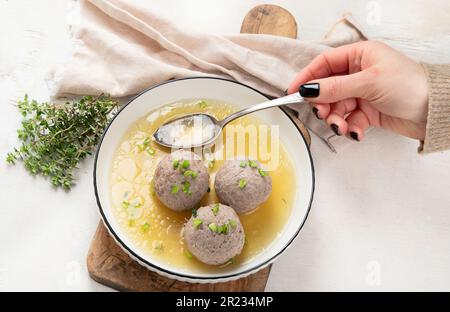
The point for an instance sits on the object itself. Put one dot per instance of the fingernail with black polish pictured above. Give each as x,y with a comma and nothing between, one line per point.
316,112
354,136
309,90
285,92
335,129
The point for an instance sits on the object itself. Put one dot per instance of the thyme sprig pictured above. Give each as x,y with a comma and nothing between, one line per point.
55,138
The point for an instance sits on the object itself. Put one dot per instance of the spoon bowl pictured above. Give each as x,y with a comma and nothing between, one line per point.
188,131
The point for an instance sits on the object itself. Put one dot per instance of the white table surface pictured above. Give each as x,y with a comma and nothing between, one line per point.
381,213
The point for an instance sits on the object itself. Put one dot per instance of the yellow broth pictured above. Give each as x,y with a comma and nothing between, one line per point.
156,229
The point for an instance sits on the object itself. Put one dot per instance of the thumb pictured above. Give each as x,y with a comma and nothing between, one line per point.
336,88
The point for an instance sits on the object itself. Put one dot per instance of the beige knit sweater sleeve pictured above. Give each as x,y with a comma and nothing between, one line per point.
437,137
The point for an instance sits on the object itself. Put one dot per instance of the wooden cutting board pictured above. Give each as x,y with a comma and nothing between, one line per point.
108,264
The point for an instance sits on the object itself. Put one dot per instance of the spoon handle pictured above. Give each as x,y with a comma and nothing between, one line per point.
294,98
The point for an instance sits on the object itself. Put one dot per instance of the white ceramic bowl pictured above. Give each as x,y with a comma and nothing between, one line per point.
230,92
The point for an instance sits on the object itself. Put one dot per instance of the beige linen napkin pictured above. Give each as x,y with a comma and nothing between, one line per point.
121,48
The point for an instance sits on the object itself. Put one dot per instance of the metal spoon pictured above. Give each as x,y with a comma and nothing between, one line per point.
199,129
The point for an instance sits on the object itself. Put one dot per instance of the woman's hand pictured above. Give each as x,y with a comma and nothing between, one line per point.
366,84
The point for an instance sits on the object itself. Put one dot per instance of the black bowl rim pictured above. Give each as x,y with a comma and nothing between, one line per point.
186,276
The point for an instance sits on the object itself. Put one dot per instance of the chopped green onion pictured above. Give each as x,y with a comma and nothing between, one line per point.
194,212
125,204
213,227
223,229
197,223
186,188
158,245
232,223
219,229
252,164
185,164
202,104
144,144
151,151
242,183
175,189
175,163
145,227
215,209
229,262
243,164
190,173
188,254
262,172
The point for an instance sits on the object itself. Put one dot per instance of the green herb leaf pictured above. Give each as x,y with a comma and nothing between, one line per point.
243,164
187,173
185,164
186,188
213,227
190,173
262,172
175,189
11,158
252,164
152,189
229,262
202,104
55,138
188,254
158,245
145,227
215,209
242,183
143,146
197,223
232,223
223,229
